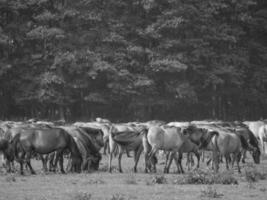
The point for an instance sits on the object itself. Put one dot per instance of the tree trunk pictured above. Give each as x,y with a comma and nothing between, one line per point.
61,112
213,109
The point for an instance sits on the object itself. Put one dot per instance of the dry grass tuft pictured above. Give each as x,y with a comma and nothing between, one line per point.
117,197
10,178
210,192
252,174
159,179
205,177
83,196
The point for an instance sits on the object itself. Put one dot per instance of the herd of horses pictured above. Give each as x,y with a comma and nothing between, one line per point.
80,143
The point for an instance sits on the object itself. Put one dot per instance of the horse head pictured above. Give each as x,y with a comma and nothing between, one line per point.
256,153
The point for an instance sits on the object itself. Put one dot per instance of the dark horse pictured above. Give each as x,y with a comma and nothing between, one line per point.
45,141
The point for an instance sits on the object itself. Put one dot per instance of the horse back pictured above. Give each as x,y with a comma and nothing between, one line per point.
166,138
228,142
44,140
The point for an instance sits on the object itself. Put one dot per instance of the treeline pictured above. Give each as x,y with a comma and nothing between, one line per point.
133,59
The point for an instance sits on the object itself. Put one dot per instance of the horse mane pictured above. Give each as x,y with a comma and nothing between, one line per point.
253,140
73,147
90,139
244,142
207,141
125,137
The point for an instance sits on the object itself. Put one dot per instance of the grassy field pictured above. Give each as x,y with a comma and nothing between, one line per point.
117,186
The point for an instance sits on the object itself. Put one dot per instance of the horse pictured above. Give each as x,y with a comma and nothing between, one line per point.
16,129
165,138
7,151
105,128
242,130
44,141
89,142
225,144
119,128
187,147
127,141
254,127
253,144
263,137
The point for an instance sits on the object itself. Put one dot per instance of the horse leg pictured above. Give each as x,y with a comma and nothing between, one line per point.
2,159
198,157
128,153
44,161
112,147
178,158
119,158
151,155
20,159
234,156
85,163
21,167
208,161
59,157
188,161
61,161
244,156
203,155
169,158
53,161
105,147
237,162
227,159
147,163
180,161
215,158
28,162
137,154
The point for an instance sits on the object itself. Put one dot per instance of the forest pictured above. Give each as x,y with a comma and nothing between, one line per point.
133,59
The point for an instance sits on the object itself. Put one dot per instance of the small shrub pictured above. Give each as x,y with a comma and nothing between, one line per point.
83,196
10,179
96,181
117,197
159,179
252,174
203,177
210,192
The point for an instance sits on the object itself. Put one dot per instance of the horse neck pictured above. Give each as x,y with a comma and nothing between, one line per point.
73,147
93,142
253,140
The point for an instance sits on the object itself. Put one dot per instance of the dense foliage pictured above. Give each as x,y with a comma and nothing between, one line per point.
133,59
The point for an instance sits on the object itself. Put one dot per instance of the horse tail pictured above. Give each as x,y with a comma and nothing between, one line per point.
216,143
14,143
207,141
